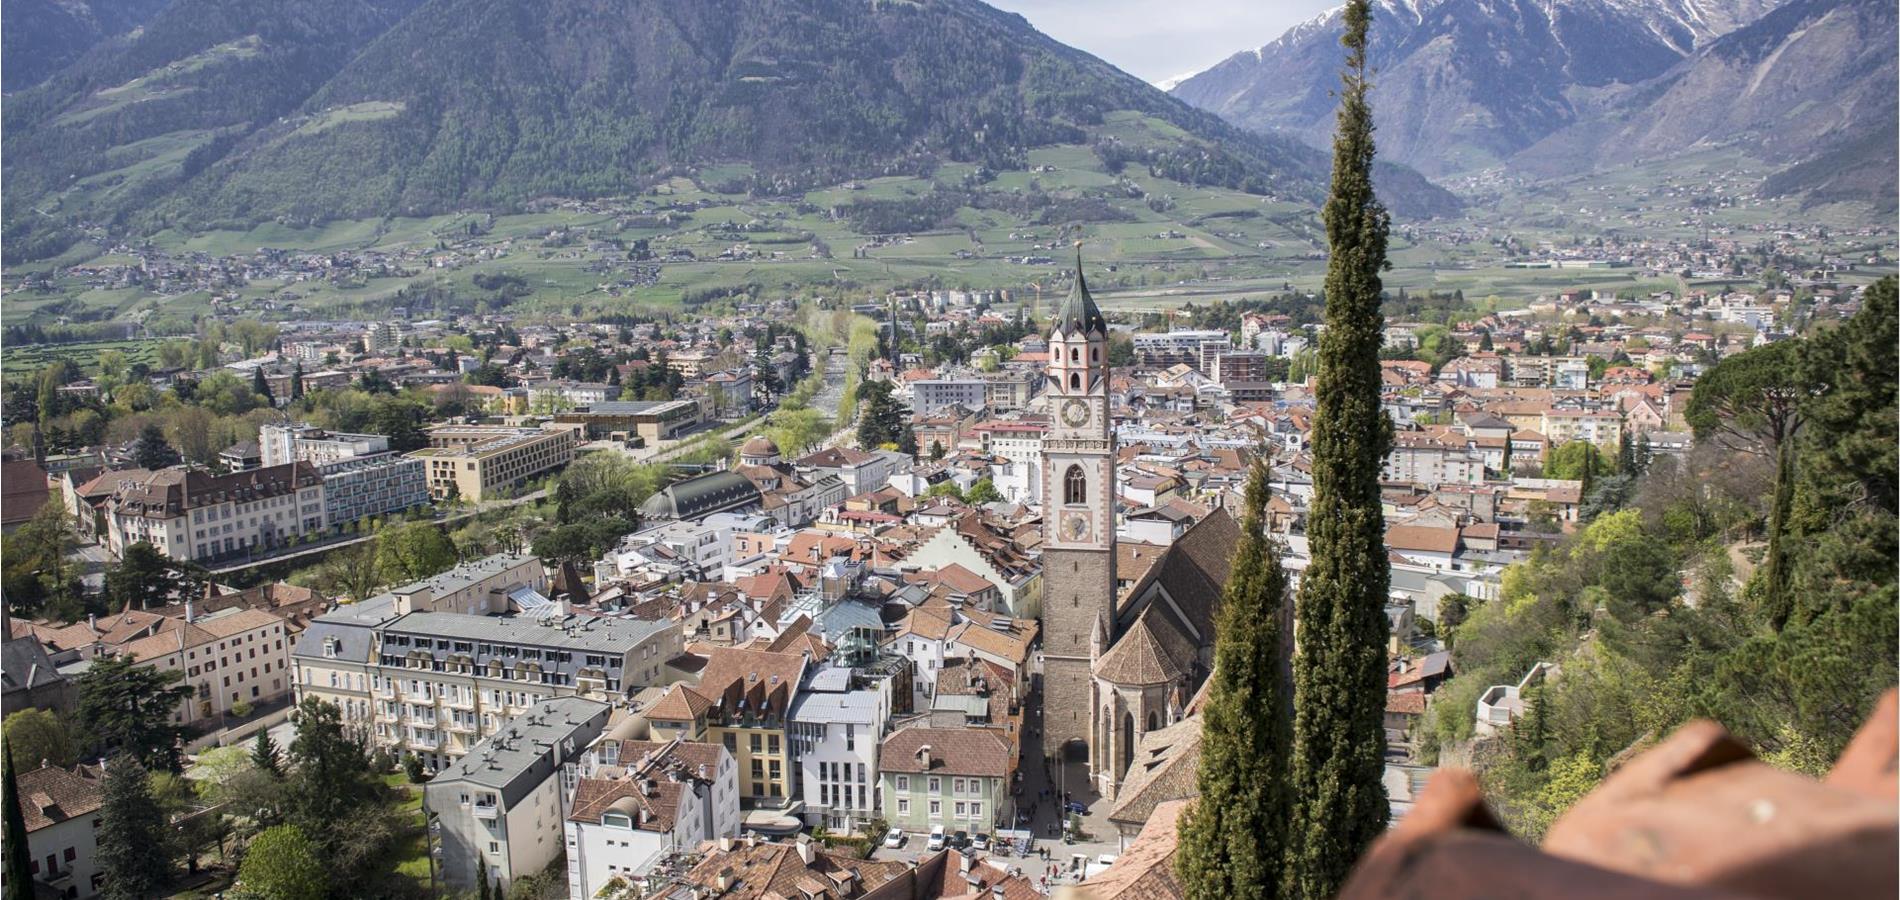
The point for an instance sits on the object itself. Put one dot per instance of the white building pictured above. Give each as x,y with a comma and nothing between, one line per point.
501,806
195,515
61,810
636,802
295,442
834,747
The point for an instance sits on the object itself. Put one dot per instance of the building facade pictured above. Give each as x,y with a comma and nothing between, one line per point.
378,485
191,514
280,444
500,808
475,462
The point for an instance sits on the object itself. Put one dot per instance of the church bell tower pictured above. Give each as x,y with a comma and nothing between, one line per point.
1078,516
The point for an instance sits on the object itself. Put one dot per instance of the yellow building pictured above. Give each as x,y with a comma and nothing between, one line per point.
475,461
742,701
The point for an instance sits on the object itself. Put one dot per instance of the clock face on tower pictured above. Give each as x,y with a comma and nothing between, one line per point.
1075,526
1075,413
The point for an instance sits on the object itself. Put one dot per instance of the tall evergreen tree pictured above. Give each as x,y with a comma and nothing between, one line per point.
131,823
259,384
16,880
265,755
1339,672
1233,841
151,450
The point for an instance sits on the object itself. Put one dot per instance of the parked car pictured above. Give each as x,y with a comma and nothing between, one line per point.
894,838
960,840
936,838
980,841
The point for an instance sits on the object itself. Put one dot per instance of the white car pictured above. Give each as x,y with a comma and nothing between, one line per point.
936,838
894,838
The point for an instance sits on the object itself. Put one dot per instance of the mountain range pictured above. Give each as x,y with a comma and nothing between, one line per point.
1561,86
230,112
43,36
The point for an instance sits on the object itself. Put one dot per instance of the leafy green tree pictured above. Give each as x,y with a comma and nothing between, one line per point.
16,879
1234,839
944,488
282,864
127,709
36,737
132,833
983,491
1339,672
265,755
1852,371
936,451
413,551
151,451
1576,461
35,575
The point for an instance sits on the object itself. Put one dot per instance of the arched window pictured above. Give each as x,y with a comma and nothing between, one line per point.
1075,381
1075,354
1075,486
1151,722
1095,354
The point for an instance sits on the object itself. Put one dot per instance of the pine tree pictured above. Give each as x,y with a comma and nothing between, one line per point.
296,382
151,450
265,755
1339,672
130,823
481,878
1233,841
259,385
17,882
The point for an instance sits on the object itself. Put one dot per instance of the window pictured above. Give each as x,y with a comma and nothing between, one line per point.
936,785
1075,486
936,808
903,783
903,806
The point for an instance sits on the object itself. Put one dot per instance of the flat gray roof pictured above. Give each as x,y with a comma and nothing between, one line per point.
530,745
592,634
465,574
856,707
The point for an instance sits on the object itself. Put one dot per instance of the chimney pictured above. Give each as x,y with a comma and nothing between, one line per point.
923,756
805,852
187,611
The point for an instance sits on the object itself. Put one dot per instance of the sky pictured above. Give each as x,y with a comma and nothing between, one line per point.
1160,39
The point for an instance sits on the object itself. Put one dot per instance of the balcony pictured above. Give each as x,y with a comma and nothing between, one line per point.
486,811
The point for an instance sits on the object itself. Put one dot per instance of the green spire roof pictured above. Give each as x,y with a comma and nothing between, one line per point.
1078,312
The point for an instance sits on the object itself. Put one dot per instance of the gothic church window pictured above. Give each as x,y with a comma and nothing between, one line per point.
1075,486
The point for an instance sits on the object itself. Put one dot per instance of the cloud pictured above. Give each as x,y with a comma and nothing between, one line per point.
1155,40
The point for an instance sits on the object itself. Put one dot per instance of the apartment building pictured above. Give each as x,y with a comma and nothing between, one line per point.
298,442
375,485
192,514
1430,460
637,802
229,658
834,743
1163,349
932,394
474,462
1010,390
1600,427
954,777
500,808
743,701
442,681
478,587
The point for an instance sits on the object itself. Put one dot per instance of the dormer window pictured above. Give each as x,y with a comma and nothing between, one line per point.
617,820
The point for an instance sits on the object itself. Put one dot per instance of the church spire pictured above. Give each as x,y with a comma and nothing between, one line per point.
1078,313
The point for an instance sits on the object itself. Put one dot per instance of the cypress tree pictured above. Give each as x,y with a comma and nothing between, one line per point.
1233,840
1339,671
17,881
